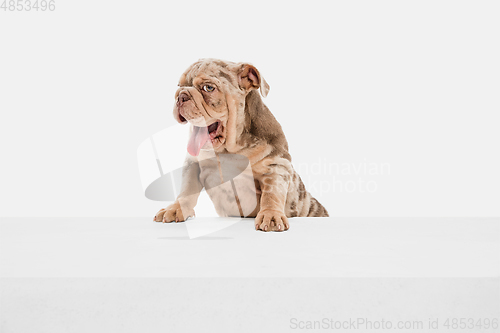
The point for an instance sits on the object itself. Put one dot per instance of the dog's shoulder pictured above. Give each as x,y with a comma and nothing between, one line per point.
262,129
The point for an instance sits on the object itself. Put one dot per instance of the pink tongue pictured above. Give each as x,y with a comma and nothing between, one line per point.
198,138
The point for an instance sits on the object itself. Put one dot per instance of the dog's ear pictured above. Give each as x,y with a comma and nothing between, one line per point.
249,78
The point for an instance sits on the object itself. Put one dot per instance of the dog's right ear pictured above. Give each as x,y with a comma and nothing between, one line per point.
249,78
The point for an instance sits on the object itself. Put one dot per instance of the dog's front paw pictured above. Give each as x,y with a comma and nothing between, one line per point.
271,220
174,212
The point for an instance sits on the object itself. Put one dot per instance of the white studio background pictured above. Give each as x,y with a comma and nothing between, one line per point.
401,95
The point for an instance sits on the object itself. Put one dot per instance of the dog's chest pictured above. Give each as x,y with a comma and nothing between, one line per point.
229,182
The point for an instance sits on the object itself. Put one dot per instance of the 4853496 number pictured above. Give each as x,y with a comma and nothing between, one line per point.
28,5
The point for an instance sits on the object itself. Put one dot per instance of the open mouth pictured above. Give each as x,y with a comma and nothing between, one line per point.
200,136
212,129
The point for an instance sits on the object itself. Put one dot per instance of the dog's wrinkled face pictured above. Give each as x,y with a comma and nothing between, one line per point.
211,95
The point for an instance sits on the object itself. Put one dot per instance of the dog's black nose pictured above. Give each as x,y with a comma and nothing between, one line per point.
183,97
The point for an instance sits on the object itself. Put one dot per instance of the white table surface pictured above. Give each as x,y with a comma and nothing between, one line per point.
134,275
313,247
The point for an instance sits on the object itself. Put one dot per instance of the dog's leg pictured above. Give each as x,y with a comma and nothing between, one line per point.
271,216
183,207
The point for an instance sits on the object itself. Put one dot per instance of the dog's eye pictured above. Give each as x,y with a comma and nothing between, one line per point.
208,88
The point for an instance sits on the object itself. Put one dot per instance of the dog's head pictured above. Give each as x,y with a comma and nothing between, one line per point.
211,96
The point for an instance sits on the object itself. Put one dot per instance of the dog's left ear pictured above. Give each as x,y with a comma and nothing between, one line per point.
249,78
